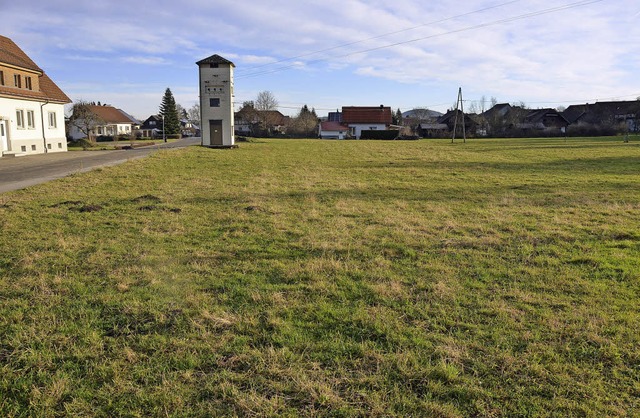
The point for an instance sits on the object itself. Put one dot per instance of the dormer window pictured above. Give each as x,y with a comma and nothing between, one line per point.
27,83
17,81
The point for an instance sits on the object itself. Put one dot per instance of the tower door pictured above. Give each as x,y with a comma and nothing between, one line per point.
215,132
4,143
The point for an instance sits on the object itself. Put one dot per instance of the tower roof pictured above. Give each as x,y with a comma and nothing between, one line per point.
215,59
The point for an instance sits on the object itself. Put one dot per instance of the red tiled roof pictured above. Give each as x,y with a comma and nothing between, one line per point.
366,114
11,54
110,114
333,126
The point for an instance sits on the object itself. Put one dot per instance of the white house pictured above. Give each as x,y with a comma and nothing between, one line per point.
112,122
366,118
332,130
216,102
31,106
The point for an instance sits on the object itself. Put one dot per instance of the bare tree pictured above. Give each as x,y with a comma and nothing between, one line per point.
266,101
266,106
483,104
84,119
194,113
182,112
473,107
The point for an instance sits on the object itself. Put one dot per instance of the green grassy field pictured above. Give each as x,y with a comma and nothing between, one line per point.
328,278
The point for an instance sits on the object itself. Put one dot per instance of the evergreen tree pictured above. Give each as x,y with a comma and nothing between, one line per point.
169,111
397,118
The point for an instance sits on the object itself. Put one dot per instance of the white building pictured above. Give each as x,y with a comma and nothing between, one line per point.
31,106
366,118
216,102
332,130
108,121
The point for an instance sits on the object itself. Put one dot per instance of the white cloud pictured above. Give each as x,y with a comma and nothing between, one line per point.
145,60
584,51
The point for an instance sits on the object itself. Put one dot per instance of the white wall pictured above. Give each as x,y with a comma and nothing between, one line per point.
359,127
33,139
332,134
107,130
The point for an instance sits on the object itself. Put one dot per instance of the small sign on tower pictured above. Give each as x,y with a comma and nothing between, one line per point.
216,102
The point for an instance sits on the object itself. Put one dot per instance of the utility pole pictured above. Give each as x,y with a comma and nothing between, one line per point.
164,135
455,121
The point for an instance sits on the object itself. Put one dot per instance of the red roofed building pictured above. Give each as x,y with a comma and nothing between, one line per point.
112,122
31,105
366,118
333,130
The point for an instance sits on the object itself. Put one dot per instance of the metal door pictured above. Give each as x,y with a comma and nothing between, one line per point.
215,132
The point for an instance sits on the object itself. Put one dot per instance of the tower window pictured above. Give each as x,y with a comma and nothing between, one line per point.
214,102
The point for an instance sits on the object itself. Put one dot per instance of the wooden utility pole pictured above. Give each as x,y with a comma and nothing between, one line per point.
460,104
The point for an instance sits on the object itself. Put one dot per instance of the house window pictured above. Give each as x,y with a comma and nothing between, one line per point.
31,119
60,145
27,83
1,78
53,123
23,148
33,147
20,118
48,146
214,102
152,123
17,81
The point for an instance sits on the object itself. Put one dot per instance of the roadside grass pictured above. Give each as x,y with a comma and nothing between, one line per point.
328,278
85,145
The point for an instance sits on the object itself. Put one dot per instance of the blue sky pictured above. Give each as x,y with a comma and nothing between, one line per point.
333,53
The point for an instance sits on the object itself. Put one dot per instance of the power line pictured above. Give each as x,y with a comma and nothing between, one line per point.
384,35
468,28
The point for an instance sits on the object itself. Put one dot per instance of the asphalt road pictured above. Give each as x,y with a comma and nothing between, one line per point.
20,172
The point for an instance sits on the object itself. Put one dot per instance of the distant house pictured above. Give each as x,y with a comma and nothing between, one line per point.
188,128
545,121
471,122
112,122
503,120
151,127
422,123
332,130
433,130
604,118
360,119
250,121
31,106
